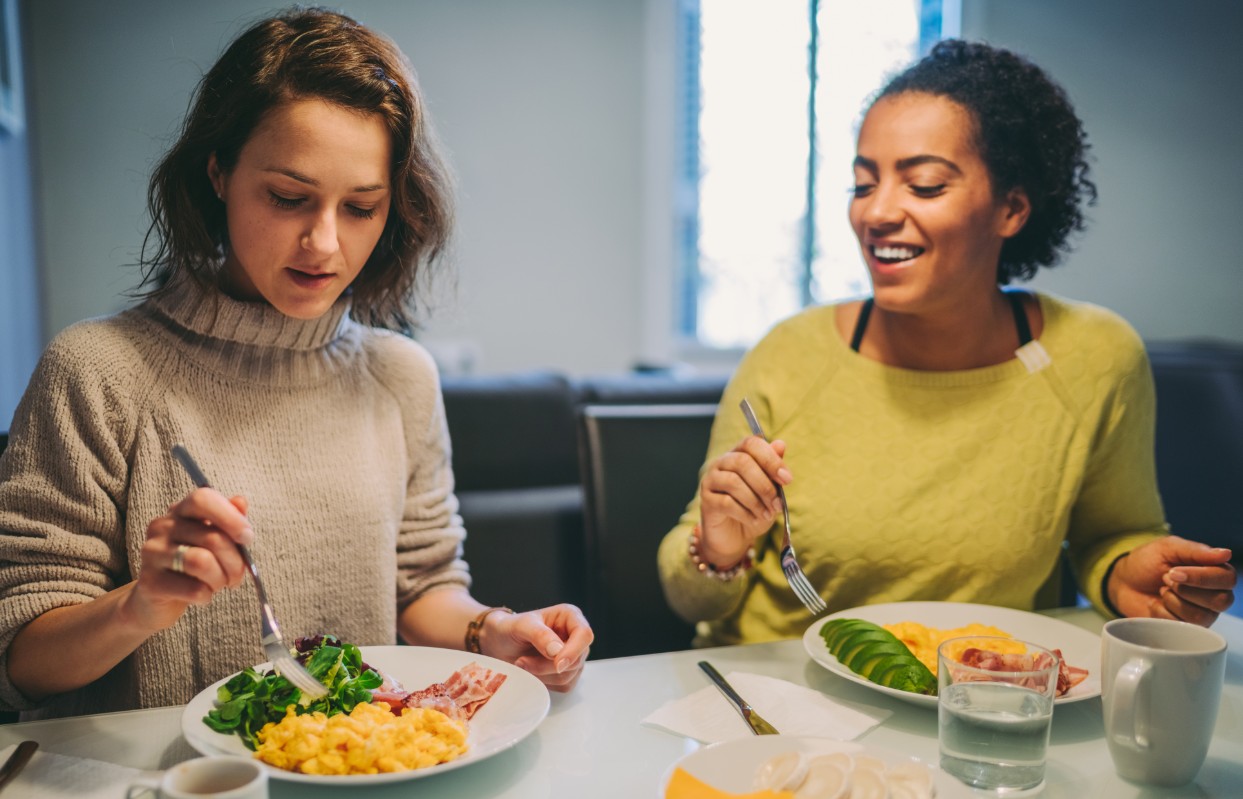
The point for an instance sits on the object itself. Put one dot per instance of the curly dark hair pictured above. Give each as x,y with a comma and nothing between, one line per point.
1028,135
298,54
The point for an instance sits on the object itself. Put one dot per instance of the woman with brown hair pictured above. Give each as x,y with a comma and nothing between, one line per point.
291,223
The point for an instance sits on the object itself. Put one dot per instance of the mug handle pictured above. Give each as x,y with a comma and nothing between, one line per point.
142,786
1130,725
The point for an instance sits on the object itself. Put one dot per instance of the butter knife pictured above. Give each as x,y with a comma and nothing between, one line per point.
17,761
756,722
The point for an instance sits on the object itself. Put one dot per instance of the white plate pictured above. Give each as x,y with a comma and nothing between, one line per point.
732,765
1080,648
512,713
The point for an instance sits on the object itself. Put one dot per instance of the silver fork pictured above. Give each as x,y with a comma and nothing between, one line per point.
273,642
789,565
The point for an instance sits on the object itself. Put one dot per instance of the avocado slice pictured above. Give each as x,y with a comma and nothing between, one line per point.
876,654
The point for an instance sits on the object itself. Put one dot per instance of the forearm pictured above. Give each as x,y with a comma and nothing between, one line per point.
72,646
439,618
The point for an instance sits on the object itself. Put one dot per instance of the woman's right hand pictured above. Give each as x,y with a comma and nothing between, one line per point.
738,499
209,527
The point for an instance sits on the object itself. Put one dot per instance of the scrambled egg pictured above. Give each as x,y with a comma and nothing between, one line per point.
923,641
369,740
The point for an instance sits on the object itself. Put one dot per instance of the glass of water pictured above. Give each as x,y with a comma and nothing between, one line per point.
995,708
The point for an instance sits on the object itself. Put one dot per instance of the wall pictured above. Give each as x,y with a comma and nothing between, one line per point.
555,114
20,334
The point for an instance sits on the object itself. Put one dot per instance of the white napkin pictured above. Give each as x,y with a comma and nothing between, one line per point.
709,717
52,776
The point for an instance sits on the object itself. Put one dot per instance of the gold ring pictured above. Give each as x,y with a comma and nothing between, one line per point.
179,559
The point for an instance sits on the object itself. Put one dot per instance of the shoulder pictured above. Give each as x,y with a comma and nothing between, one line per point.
1097,355
103,349
809,335
1091,334
400,363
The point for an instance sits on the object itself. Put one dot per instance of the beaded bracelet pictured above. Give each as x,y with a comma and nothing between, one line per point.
474,626
709,570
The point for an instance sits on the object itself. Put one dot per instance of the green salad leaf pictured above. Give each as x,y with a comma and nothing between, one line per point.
250,699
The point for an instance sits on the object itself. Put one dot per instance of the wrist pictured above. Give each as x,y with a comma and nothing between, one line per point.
1109,586
711,564
480,628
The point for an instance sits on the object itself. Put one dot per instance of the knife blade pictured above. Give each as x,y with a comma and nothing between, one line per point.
758,725
17,761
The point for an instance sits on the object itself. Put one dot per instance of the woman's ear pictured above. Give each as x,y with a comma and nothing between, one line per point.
1013,212
216,176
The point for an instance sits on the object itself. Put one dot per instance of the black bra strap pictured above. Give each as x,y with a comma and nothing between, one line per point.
1016,306
1020,317
861,324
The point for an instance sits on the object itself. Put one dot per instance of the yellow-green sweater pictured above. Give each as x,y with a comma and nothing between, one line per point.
957,486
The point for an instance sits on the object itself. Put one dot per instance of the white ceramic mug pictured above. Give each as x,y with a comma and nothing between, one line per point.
217,777
1160,687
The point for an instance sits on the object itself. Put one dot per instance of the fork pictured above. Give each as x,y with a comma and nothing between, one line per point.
273,642
789,565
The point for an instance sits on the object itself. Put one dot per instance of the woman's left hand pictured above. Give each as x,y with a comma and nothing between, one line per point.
1173,578
551,643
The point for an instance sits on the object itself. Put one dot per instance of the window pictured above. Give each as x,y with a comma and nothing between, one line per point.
771,97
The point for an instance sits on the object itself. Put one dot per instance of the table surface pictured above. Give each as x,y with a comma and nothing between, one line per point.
593,745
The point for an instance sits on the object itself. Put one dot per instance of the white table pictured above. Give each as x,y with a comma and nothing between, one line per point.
592,745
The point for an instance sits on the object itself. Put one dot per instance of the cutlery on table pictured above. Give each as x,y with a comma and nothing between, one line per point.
17,761
273,642
758,725
789,565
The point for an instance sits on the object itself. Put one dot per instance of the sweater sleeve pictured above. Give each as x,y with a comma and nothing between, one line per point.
430,540
63,479
1118,507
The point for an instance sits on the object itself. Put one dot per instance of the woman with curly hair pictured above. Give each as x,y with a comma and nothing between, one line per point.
949,435
290,220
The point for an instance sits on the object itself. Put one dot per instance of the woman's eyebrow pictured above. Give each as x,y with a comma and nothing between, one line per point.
908,163
310,181
920,160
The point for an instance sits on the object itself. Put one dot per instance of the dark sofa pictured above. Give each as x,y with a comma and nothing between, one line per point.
516,463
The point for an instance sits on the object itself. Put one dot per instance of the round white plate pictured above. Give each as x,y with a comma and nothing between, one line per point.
1080,648
732,765
512,713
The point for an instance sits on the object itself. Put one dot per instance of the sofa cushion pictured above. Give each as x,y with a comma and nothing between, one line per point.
513,431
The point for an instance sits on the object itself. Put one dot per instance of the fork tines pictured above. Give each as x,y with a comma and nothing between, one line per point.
800,584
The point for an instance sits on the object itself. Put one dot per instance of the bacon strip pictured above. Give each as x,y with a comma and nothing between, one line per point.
1067,676
472,686
459,697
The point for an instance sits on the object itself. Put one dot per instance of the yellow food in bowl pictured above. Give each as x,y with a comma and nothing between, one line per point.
923,641
369,740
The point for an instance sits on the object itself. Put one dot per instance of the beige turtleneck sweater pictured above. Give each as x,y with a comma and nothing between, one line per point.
334,432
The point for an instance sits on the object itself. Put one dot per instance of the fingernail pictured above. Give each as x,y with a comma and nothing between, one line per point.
783,474
248,536
555,648
1221,551
561,664
777,505
1177,576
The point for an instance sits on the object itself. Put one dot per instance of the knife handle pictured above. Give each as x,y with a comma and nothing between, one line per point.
725,687
17,761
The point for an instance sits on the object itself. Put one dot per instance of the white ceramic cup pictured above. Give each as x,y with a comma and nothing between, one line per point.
1160,687
217,777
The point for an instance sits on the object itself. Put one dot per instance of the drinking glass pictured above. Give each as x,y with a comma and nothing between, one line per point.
994,711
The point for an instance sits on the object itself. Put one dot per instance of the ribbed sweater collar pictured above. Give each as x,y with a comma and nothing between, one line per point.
253,341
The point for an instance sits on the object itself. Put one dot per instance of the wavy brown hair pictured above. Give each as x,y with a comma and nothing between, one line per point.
303,53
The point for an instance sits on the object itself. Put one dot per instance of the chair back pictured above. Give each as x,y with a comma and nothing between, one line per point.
1199,443
640,467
